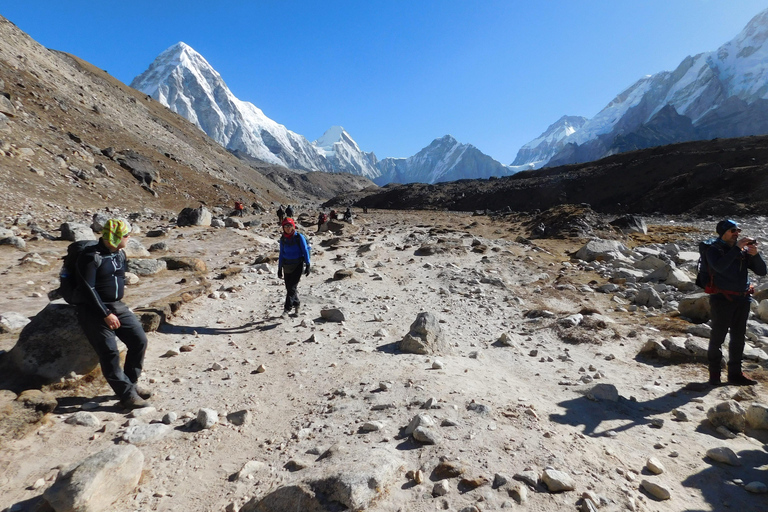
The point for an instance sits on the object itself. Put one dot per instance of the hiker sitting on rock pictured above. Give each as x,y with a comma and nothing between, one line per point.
294,257
101,314
729,259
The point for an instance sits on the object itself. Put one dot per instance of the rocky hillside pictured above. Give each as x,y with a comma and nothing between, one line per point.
72,138
718,177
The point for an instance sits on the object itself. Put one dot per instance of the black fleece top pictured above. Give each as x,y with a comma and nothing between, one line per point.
730,264
100,278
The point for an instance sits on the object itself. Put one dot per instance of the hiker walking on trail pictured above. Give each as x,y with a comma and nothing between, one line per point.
294,258
100,277
289,212
729,258
322,218
280,215
239,208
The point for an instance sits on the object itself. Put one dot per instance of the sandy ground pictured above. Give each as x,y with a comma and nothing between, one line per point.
317,393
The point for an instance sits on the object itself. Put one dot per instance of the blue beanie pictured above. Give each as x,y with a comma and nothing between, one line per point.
725,225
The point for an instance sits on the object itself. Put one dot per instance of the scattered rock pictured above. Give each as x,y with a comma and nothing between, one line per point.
98,481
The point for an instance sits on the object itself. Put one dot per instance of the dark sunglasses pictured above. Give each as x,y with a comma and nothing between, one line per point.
735,230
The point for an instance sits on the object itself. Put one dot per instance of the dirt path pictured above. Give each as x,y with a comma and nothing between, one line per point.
323,380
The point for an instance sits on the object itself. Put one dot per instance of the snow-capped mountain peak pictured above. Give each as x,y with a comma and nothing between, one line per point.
333,135
184,81
537,152
445,159
722,93
344,155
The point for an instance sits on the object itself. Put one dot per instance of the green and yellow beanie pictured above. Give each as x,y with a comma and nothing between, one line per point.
114,231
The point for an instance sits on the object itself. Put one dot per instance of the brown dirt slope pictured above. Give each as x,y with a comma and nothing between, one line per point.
62,112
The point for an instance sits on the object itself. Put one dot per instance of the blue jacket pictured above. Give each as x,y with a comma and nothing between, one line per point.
293,250
729,266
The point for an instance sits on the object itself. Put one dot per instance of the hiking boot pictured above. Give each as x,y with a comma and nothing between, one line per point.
741,380
296,310
143,392
285,314
134,402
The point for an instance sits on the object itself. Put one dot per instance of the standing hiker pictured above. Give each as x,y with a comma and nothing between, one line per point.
280,215
729,258
322,218
100,275
294,257
289,212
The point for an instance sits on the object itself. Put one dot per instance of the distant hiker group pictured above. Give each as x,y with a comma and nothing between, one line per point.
283,214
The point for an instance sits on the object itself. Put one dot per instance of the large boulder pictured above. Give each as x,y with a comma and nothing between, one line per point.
194,217
630,224
730,415
98,481
425,336
75,231
139,166
146,266
12,322
232,222
695,308
757,416
647,296
352,483
762,310
53,345
602,250
184,263
135,249
672,276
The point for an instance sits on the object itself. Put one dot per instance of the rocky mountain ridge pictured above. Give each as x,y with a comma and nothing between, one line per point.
720,177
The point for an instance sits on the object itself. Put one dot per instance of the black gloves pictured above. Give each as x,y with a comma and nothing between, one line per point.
306,270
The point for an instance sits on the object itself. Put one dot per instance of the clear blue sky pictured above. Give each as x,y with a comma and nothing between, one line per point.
398,74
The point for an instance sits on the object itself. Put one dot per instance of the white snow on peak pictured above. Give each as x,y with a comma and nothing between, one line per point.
699,84
331,136
184,81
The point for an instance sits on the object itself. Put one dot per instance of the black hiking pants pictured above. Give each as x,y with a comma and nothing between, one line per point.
291,287
102,339
727,315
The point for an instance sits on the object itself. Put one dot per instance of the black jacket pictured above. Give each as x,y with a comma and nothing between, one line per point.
100,278
729,265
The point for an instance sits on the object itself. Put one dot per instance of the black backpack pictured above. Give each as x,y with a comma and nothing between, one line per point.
68,275
703,277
